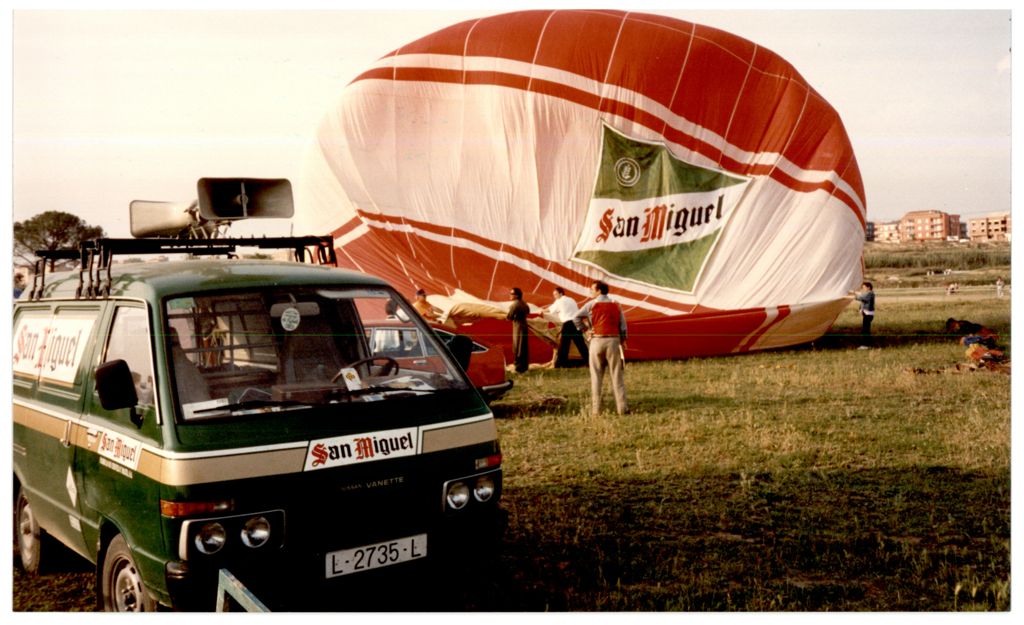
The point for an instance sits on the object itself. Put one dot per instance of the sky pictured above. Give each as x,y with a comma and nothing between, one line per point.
111,106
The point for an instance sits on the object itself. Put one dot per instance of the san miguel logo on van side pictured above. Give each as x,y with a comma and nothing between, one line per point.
652,217
361,448
120,449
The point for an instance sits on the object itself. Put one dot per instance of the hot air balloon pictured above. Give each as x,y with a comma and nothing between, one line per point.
695,172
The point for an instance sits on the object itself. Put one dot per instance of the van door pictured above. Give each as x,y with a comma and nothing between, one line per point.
114,484
51,346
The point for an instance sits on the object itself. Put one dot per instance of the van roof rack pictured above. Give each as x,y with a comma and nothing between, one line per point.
95,257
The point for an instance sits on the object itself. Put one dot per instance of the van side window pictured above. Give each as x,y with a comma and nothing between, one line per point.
130,341
49,346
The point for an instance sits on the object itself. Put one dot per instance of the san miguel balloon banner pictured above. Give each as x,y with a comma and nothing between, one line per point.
653,218
695,172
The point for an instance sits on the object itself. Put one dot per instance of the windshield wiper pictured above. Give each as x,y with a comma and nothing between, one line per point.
253,404
391,391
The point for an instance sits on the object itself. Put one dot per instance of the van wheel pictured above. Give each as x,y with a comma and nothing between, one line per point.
122,587
28,536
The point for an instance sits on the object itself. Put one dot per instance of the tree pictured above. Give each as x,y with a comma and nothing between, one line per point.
52,230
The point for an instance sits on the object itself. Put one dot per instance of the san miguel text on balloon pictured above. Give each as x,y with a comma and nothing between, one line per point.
657,220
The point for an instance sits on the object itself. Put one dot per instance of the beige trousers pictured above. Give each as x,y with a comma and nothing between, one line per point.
605,355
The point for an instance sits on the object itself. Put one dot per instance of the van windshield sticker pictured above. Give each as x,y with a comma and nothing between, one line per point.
51,348
362,448
290,319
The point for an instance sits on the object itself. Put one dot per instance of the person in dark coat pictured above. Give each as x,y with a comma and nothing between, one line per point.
517,314
866,297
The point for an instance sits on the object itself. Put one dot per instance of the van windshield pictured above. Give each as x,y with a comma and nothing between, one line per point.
246,352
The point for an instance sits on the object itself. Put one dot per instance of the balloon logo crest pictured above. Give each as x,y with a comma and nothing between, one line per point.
627,171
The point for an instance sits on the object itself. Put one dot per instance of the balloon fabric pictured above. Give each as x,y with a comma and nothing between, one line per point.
695,172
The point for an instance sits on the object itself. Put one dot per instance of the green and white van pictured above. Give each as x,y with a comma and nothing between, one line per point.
173,419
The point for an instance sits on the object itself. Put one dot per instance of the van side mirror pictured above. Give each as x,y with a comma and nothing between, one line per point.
461,347
116,388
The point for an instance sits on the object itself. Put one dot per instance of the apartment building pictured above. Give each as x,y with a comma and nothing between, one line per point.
929,226
994,227
888,232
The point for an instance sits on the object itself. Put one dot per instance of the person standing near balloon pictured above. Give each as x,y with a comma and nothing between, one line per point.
517,314
565,308
607,325
866,297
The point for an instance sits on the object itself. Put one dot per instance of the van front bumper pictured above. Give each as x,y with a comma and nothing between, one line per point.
287,581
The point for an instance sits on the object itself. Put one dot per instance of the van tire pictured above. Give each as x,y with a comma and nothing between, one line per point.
121,584
27,535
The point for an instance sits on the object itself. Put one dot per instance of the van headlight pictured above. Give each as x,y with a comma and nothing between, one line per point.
228,535
210,538
458,495
461,492
256,532
483,490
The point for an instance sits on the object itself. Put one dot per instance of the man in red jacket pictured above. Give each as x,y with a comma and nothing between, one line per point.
607,326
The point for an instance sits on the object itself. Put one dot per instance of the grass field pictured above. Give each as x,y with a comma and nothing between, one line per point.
824,478
808,479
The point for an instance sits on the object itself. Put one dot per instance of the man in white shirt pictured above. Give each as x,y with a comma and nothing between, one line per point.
565,309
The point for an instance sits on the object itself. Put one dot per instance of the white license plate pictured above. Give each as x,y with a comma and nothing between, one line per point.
376,556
